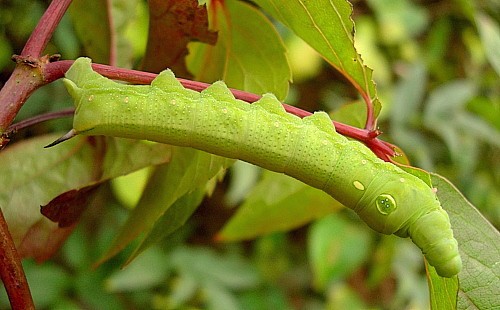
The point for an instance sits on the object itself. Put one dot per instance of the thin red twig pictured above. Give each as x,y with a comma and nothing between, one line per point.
37,119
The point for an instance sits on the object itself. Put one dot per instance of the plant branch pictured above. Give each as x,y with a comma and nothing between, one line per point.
27,75
384,150
25,79
35,120
11,271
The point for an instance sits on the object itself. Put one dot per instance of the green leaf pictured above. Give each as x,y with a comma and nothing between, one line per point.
126,13
219,298
405,110
272,256
487,109
188,170
399,20
381,260
5,52
208,267
102,35
244,176
173,218
129,188
36,176
446,114
326,25
343,296
249,53
490,36
479,246
136,30
438,39
88,286
91,22
419,173
149,270
47,277
267,297
442,291
305,62
126,155
353,114
207,278
412,288
408,96
337,247
277,203
367,44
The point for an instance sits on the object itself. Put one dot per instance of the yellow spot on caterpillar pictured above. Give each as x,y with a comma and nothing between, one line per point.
224,111
91,97
402,180
276,124
363,161
325,142
385,204
358,185
125,100
173,102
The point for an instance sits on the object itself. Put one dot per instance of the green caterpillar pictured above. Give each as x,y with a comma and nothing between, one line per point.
388,199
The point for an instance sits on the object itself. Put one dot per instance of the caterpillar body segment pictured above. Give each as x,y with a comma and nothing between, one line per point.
388,199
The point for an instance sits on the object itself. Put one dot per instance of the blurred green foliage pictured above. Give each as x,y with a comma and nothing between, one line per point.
436,65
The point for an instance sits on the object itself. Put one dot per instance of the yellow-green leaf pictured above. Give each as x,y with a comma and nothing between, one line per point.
326,25
249,53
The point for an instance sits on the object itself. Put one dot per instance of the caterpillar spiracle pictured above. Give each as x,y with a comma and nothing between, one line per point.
388,199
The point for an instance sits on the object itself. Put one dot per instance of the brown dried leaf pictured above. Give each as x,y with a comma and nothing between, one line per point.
172,25
67,208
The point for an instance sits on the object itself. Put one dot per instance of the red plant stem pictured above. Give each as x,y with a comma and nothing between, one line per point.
56,70
16,91
370,118
38,119
45,27
11,271
27,76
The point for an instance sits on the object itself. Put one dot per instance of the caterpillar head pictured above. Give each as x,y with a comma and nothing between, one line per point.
389,207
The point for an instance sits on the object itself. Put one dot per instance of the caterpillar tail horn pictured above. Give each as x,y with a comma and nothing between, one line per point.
70,134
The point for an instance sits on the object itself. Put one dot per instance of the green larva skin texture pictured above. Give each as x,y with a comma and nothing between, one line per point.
388,199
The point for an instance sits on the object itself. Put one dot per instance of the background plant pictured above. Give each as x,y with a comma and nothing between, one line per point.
436,68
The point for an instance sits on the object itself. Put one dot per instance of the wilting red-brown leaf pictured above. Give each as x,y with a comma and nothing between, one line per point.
172,25
66,208
43,239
